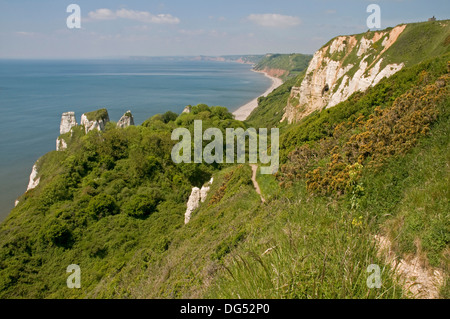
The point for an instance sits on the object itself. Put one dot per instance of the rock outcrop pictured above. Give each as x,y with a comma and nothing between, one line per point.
197,195
67,122
34,180
187,109
346,65
126,120
61,144
204,191
192,204
95,120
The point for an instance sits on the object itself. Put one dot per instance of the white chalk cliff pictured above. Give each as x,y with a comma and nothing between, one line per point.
197,195
126,120
60,144
192,204
67,122
344,66
34,180
94,124
96,120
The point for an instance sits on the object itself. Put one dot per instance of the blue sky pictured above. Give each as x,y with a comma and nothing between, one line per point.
113,28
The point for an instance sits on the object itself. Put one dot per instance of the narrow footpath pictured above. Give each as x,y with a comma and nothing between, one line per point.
255,183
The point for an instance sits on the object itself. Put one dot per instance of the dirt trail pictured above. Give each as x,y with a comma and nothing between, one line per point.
422,283
255,183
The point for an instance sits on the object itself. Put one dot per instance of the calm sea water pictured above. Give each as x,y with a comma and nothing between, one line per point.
34,94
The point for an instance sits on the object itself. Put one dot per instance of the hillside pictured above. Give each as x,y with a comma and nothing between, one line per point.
284,66
374,165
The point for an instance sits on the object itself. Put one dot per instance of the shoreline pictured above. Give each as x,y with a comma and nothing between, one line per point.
244,111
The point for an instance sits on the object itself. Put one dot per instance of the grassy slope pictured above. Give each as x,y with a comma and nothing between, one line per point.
317,243
196,252
420,40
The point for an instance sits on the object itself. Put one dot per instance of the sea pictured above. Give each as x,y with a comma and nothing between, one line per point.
34,94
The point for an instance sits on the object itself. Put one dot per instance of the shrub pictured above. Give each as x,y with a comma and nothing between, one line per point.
57,233
102,205
169,116
143,205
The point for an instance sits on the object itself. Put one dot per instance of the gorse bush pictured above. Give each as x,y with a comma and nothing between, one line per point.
386,133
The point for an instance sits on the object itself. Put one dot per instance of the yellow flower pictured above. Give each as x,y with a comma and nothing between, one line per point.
357,222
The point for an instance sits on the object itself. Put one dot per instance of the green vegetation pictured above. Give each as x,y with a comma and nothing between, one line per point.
269,185
114,202
307,247
422,223
109,194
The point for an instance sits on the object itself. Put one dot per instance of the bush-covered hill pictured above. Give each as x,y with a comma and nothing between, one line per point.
100,200
114,203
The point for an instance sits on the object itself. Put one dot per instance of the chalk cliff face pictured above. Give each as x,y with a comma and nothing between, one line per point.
90,121
95,120
346,65
192,204
34,181
126,120
61,144
67,122
197,196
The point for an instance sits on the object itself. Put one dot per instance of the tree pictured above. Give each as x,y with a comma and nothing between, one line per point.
169,116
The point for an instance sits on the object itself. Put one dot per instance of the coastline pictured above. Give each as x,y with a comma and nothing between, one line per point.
243,112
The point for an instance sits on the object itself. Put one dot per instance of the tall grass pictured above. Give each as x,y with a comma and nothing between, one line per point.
314,248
